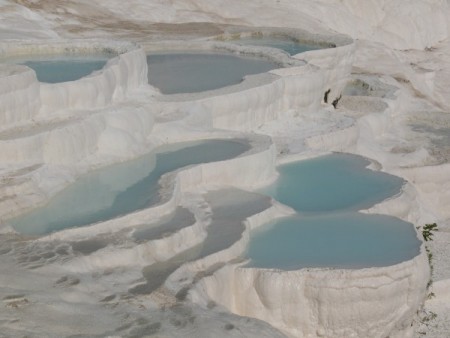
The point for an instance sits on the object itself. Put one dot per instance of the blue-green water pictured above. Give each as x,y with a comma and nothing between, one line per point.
290,46
54,69
121,188
348,240
175,73
332,182
328,231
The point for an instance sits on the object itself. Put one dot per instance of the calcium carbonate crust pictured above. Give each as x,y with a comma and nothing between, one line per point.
370,302
341,303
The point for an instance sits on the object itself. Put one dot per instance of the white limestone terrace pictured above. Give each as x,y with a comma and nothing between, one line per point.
401,131
122,73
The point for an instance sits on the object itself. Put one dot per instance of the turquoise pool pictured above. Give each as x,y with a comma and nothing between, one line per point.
328,232
56,69
332,182
347,240
121,188
175,73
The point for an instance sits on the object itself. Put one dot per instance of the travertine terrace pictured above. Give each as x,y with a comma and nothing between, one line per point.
385,64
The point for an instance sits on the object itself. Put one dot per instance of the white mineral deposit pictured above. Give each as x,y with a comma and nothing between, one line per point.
168,189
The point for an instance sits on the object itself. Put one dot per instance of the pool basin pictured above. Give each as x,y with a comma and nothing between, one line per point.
175,73
121,188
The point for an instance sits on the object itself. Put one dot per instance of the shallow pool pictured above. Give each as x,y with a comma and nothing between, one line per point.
174,73
332,182
348,240
56,69
121,188
290,46
328,231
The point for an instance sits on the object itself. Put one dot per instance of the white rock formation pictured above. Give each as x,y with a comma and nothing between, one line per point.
51,134
328,303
